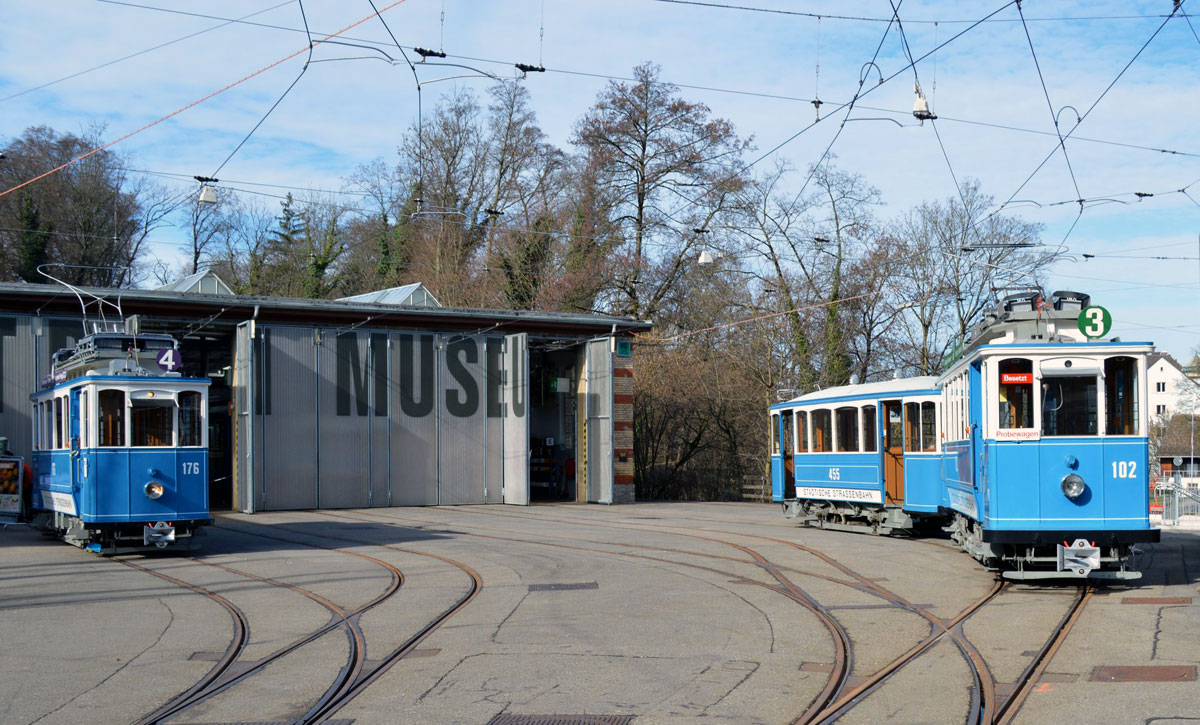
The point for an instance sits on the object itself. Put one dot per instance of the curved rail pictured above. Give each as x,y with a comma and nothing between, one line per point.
241,632
213,684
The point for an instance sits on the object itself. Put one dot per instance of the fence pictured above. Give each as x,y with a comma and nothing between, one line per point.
755,488
1175,501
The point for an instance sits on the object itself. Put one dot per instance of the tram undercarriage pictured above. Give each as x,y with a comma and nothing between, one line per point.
852,516
1072,558
117,538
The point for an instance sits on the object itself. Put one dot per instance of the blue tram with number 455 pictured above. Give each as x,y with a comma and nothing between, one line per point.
120,445
1031,450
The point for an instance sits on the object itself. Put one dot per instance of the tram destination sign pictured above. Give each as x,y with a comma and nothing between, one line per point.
1094,322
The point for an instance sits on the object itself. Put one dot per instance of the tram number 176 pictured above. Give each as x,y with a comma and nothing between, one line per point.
1124,469
191,468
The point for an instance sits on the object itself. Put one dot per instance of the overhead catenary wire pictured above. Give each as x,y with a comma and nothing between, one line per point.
1091,108
867,19
145,51
193,104
1050,106
303,70
714,89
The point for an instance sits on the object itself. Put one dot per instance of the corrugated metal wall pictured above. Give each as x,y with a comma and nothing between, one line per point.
288,454
414,386
461,453
599,420
348,419
18,379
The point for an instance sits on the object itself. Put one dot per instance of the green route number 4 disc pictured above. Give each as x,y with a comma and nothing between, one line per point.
1094,322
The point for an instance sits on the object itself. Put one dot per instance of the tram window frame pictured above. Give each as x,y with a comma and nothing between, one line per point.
929,437
152,420
912,427
58,422
200,422
788,426
802,436
1015,398
109,424
846,421
775,419
1126,414
870,434
1068,386
822,431
83,419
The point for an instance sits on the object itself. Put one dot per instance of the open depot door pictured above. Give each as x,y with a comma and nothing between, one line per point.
516,419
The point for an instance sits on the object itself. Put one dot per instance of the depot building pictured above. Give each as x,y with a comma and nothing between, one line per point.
381,399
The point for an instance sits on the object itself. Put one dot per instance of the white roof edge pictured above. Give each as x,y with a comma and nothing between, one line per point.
899,385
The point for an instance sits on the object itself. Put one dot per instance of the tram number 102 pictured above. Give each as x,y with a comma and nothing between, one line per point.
1124,469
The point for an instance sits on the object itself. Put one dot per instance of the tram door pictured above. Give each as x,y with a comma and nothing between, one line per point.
788,451
893,451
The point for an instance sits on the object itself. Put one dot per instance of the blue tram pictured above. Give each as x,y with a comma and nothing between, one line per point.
1031,450
120,445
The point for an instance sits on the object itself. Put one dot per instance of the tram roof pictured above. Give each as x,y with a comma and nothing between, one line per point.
228,309
863,391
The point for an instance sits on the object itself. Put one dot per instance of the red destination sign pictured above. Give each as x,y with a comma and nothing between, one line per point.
1015,378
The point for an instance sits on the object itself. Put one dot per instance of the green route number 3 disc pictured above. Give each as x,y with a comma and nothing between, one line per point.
1094,322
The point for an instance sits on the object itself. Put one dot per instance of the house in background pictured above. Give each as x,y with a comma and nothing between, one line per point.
1172,391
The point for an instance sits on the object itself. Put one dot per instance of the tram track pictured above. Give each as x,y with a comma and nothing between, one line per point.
224,675
363,676
843,660
835,701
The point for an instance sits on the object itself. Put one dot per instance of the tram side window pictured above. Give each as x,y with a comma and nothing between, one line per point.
928,426
189,418
774,435
912,426
801,431
83,420
822,425
1120,396
868,428
151,422
1069,405
847,430
112,417
58,422
1016,393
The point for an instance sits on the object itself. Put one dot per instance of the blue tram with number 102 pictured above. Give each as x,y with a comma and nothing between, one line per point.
1031,450
120,445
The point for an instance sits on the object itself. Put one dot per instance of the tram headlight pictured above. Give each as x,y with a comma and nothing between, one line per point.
154,489
1073,485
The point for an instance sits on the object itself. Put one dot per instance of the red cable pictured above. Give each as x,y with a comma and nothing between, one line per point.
176,112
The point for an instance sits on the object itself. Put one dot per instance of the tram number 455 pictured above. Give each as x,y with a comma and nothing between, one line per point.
1124,469
835,474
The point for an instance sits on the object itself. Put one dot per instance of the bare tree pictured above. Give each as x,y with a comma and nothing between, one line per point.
671,167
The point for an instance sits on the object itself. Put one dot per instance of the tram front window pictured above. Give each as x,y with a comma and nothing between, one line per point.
189,418
1016,393
153,421
1120,395
1069,406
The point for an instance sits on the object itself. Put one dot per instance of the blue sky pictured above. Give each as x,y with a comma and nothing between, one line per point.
758,69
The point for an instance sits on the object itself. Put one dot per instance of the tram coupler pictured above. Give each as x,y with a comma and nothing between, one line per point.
1081,557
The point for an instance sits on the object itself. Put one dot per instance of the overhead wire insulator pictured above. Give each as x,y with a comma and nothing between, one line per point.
527,68
427,53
